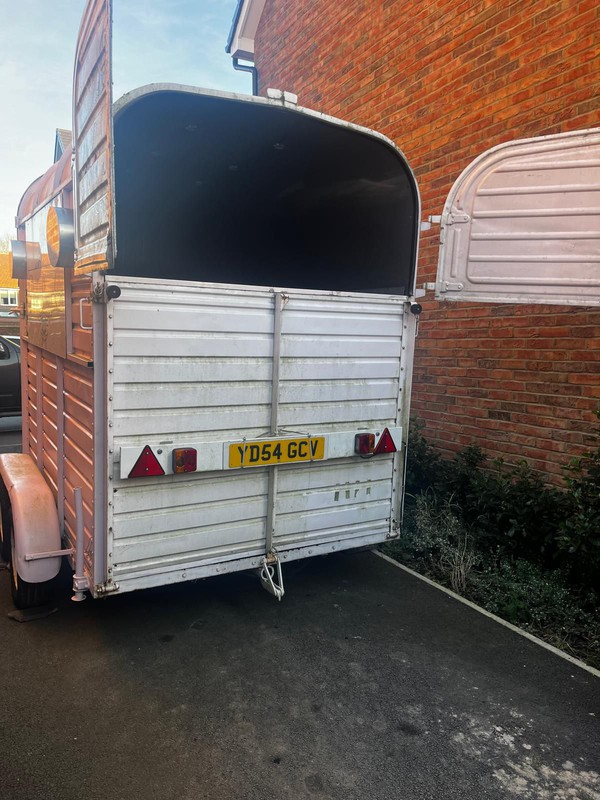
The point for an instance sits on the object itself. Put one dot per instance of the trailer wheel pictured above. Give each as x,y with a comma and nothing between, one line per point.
26,595
5,524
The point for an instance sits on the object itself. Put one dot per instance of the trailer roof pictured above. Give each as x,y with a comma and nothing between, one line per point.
44,188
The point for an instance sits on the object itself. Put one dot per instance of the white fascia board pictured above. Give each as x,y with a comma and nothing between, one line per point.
242,43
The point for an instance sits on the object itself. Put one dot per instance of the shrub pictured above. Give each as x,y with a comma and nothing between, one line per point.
437,543
525,551
578,537
510,511
539,601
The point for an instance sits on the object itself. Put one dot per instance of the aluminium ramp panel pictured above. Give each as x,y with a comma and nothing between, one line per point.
92,139
522,224
192,364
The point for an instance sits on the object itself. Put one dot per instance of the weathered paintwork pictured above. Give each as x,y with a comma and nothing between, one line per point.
92,139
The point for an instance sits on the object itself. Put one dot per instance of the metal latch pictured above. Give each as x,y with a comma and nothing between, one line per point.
432,219
271,565
284,97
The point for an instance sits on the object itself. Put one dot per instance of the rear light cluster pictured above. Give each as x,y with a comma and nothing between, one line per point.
185,459
364,444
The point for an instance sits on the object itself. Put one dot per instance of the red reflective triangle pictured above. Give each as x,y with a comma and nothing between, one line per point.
147,464
385,444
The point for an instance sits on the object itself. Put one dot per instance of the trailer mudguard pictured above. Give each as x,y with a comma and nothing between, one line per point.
34,517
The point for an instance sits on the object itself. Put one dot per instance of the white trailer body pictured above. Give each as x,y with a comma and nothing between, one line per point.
212,367
217,360
221,379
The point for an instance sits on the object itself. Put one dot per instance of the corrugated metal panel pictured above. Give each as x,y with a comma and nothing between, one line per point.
50,457
59,434
29,360
78,438
522,224
193,363
325,342
92,135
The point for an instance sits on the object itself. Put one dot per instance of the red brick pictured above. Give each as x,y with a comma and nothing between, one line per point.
446,81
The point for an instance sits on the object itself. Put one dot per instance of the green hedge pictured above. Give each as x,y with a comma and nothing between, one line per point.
500,536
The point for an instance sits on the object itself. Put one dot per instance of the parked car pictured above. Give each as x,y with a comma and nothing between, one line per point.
10,376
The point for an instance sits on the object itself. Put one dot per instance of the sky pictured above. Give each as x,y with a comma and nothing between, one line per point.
179,41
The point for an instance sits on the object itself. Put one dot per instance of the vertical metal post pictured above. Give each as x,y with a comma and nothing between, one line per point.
279,300
409,328
60,440
100,346
39,416
79,580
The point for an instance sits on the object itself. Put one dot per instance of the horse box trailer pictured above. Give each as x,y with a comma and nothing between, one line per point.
218,324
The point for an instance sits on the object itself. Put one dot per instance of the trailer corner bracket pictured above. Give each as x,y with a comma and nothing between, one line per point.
269,564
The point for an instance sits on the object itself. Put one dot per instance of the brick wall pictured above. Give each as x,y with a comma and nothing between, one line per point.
446,81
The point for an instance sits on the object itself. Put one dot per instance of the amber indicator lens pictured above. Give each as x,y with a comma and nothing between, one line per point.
364,443
185,459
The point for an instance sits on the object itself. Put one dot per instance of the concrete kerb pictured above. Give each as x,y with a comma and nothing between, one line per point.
530,636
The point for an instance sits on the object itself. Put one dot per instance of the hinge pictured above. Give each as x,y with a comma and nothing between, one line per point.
452,217
97,294
446,286
109,587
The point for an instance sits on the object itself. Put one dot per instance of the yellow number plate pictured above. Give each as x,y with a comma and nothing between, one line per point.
276,451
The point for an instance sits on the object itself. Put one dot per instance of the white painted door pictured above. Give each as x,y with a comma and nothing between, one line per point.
522,224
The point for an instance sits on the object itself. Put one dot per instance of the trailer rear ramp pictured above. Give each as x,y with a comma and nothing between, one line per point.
245,376
364,683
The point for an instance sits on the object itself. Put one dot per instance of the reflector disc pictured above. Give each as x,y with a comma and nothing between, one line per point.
385,444
146,465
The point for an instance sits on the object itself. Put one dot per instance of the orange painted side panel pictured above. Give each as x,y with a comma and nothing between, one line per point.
78,438
81,316
59,434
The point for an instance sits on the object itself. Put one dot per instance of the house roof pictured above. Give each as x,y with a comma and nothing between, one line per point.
6,279
62,143
240,42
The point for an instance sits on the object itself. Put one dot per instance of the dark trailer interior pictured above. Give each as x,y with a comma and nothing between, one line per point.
223,190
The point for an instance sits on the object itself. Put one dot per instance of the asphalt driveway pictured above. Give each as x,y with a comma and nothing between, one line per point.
363,683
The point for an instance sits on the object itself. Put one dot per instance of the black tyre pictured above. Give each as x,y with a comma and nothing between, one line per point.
5,524
26,595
